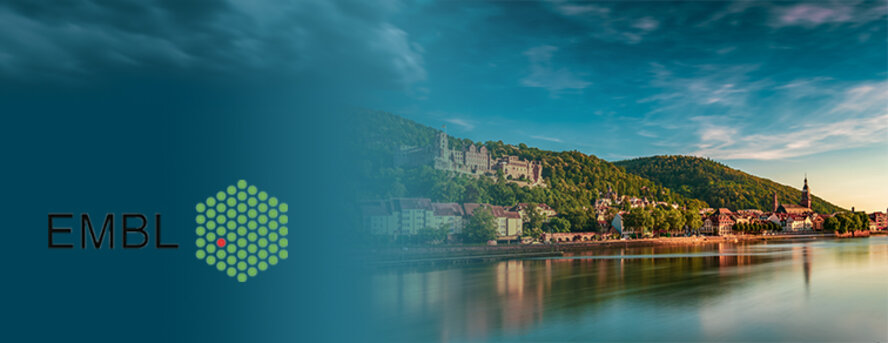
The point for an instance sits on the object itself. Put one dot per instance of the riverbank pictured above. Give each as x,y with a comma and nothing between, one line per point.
461,254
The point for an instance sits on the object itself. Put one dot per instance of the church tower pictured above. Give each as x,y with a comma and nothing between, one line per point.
806,195
776,203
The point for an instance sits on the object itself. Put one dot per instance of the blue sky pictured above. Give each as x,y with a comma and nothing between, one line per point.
778,89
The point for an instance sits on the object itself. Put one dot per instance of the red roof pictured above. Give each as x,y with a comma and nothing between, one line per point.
470,208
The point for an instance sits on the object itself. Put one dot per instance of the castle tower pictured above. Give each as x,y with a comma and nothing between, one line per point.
443,147
806,195
442,152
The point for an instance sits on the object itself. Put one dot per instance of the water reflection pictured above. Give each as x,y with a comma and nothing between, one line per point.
701,293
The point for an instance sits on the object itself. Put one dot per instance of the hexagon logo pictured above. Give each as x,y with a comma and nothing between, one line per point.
241,231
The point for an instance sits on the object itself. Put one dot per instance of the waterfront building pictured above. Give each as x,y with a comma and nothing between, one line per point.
879,220
708,227
722,221
406,216
618,226
413,214
817,221
449,215
792,222
508,223
378,218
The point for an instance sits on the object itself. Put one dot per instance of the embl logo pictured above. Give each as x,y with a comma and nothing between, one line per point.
241,231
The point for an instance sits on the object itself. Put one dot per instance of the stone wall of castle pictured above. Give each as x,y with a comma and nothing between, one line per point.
474,160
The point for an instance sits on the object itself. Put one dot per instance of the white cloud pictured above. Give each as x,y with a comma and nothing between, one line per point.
646,133
726,86
605,24
858,117
582,9
807,15
466,125
812,15
545,138
646,24
726,50
544,75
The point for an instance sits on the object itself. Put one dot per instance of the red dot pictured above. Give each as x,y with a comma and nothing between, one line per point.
220,242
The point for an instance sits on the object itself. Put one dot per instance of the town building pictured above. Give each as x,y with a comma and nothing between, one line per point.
722,222
508,223
617,225
792,222
379,219
407,216
413,214
449,215
878,220
817,221
541,208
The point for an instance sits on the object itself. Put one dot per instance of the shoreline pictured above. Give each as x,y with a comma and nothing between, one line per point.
464,254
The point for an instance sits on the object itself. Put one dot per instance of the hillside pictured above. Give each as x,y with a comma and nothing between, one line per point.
718,184
574,179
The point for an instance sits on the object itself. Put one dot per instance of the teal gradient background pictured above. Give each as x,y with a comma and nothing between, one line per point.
160,145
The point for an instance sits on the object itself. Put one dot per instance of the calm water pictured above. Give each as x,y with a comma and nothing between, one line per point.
812,290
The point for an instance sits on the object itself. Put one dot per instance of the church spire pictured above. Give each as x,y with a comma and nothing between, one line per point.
806,194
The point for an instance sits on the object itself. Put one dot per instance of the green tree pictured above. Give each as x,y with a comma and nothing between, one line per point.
864,220
431,235
693,220
581,220
481,226
558,225
676,219
535,217
661,220
639,220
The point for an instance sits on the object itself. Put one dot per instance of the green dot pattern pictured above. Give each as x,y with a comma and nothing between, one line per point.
254,225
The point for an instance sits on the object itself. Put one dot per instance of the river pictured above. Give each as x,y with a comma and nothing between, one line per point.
795,290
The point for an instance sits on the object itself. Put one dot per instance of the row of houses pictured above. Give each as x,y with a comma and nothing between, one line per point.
407,216
721,222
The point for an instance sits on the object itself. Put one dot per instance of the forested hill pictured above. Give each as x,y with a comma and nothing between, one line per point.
718,184
574,179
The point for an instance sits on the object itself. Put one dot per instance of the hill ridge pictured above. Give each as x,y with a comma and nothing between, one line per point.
717,183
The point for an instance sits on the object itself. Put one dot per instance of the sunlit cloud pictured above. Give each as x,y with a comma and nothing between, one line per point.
858,118
809,14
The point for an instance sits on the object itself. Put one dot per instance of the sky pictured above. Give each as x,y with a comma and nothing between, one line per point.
777,89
